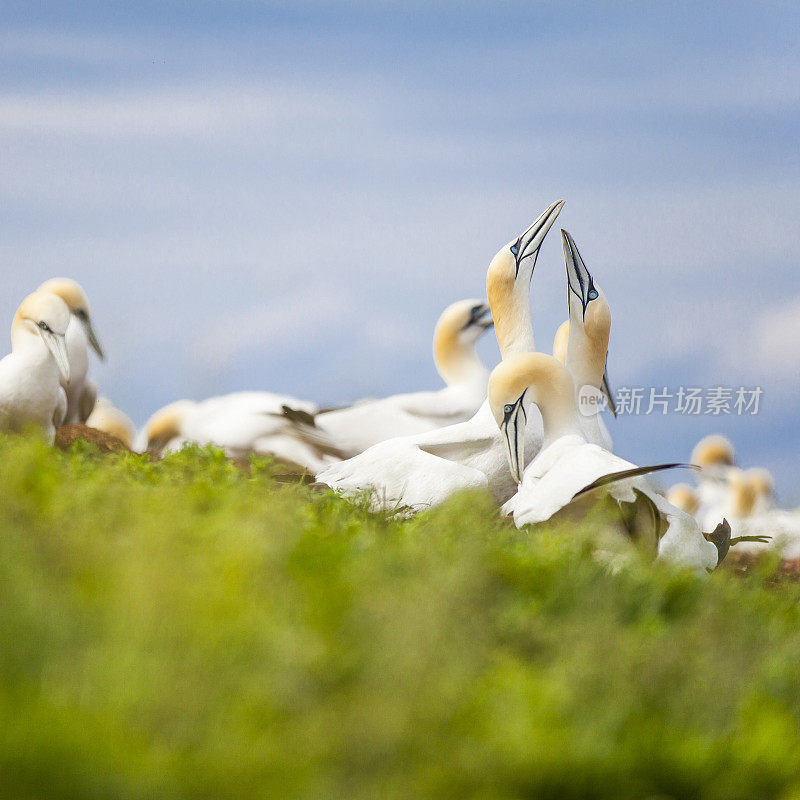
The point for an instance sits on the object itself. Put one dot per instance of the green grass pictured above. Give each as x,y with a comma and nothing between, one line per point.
183,630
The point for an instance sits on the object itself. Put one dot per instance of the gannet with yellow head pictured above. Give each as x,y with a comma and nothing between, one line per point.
420,471
587,344
745,499
569,474
81,391
743,491
764,487
753,496
713,452
684,497
716,458
457,332
242,423
368,422
108,418
163,431
30,376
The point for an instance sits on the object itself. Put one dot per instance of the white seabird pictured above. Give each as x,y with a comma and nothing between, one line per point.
108,418
420,471
717,459
587,337
570,474
684,497
81,391
30,388
242,423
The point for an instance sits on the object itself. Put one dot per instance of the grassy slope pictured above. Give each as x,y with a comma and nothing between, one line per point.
182,630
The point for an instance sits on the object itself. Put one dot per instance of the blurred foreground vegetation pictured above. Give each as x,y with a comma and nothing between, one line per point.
182,629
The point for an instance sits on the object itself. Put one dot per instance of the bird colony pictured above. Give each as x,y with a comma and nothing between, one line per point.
517,432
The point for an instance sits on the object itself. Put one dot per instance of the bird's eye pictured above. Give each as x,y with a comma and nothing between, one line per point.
81,313
515,249
508,408
591,294
43,325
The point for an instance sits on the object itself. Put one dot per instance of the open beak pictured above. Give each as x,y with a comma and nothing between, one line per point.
92,337
579,282
57,345
608,394
513,430
526,248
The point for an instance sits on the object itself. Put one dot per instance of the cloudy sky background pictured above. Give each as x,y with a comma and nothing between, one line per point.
285,195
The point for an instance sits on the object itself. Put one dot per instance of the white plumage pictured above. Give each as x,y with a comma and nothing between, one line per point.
30,389
81,390
425,469
567,464
242,423
108,418
421,471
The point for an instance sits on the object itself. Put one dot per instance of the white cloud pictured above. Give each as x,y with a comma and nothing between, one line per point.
202,111
769,346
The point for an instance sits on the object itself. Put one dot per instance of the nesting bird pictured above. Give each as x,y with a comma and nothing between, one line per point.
536,441
684,497
421,471
31,375
570,473
81,391
243,423
108,418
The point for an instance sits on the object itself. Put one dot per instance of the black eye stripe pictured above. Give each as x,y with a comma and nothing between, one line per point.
509,408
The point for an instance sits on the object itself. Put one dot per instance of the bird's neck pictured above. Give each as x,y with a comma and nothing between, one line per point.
558,421
556,402
510,304
586,357
459,364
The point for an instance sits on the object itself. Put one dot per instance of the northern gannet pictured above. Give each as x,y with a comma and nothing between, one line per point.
684,497
108,418
587,344
81,391
743,496
764,486
716,457
30,388
368,422
747,503
162,431
567,475
243,423
420,471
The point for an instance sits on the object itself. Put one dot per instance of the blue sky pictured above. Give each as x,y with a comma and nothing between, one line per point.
285,195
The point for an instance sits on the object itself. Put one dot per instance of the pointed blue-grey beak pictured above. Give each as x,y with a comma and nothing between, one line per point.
580,286
513,430
526,248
